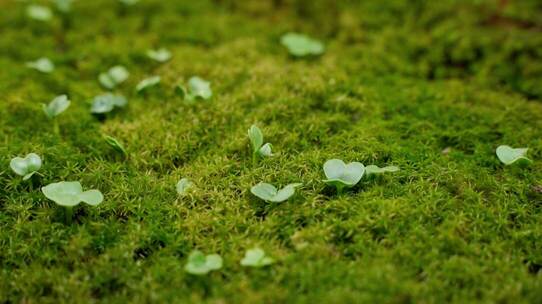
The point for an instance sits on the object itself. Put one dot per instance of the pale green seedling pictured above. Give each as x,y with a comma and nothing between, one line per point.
115,144
160,55
105,103
200,264
70,194
270,193
256,257
43,65
184,186
341,175
197,88
58,105
147,83
373,169
27,166
39,12
256,141
113,77
64,6
508,155
300,45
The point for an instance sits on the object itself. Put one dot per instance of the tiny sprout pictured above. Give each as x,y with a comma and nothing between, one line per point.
256,140
113,77
58,105
115,144
105,103
373,169
269,193
197,89
200,264
160,55
39,12
184,186
300,45
341,175
70,194
147,83
43,65
64,6
256,257
508,155
27,166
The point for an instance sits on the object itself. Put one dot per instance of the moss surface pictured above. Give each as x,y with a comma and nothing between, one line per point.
430,86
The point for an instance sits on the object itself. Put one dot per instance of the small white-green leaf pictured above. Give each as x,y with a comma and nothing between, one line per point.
27,166
113,77
256,138
256,257
147,83
64,6
337,172
58,105
200,264
43,65
70,194
373,169
184,186
508,155
199,88
300,45
107,102
265,150
160,55
39,12
269,193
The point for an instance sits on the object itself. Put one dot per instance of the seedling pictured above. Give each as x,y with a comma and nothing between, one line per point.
300,45
341,175
43,65
105,103
258,148
184,186
373,169
39,12
27,166
116,145
160,55
147,83
269,193
200,264
197,89
64,6
69,195
256,258
508,155
113,77
58,105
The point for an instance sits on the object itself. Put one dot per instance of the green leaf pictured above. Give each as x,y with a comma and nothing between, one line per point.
340,174
198,88
160,55
184,185
200,264
43,65
373,169
64,6
269,193
113,77
27,166
39,12
300,45
265,150
115,144
147,83
58,105
508,155
105,103
256,138
70,194
256,258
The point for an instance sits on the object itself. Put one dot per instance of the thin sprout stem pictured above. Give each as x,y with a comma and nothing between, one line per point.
68,215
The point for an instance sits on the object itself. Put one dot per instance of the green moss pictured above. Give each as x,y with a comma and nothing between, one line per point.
400,83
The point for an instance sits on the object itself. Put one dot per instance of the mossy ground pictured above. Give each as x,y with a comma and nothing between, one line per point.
400,82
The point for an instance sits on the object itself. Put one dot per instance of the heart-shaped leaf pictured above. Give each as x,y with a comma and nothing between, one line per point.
58,105
200,264
147,83
70,194
508,155
373,169
160,55
269,193
27,166
43,65
300,45
198,88
342,175
39,12
106,103
256,258
113,77
184,186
